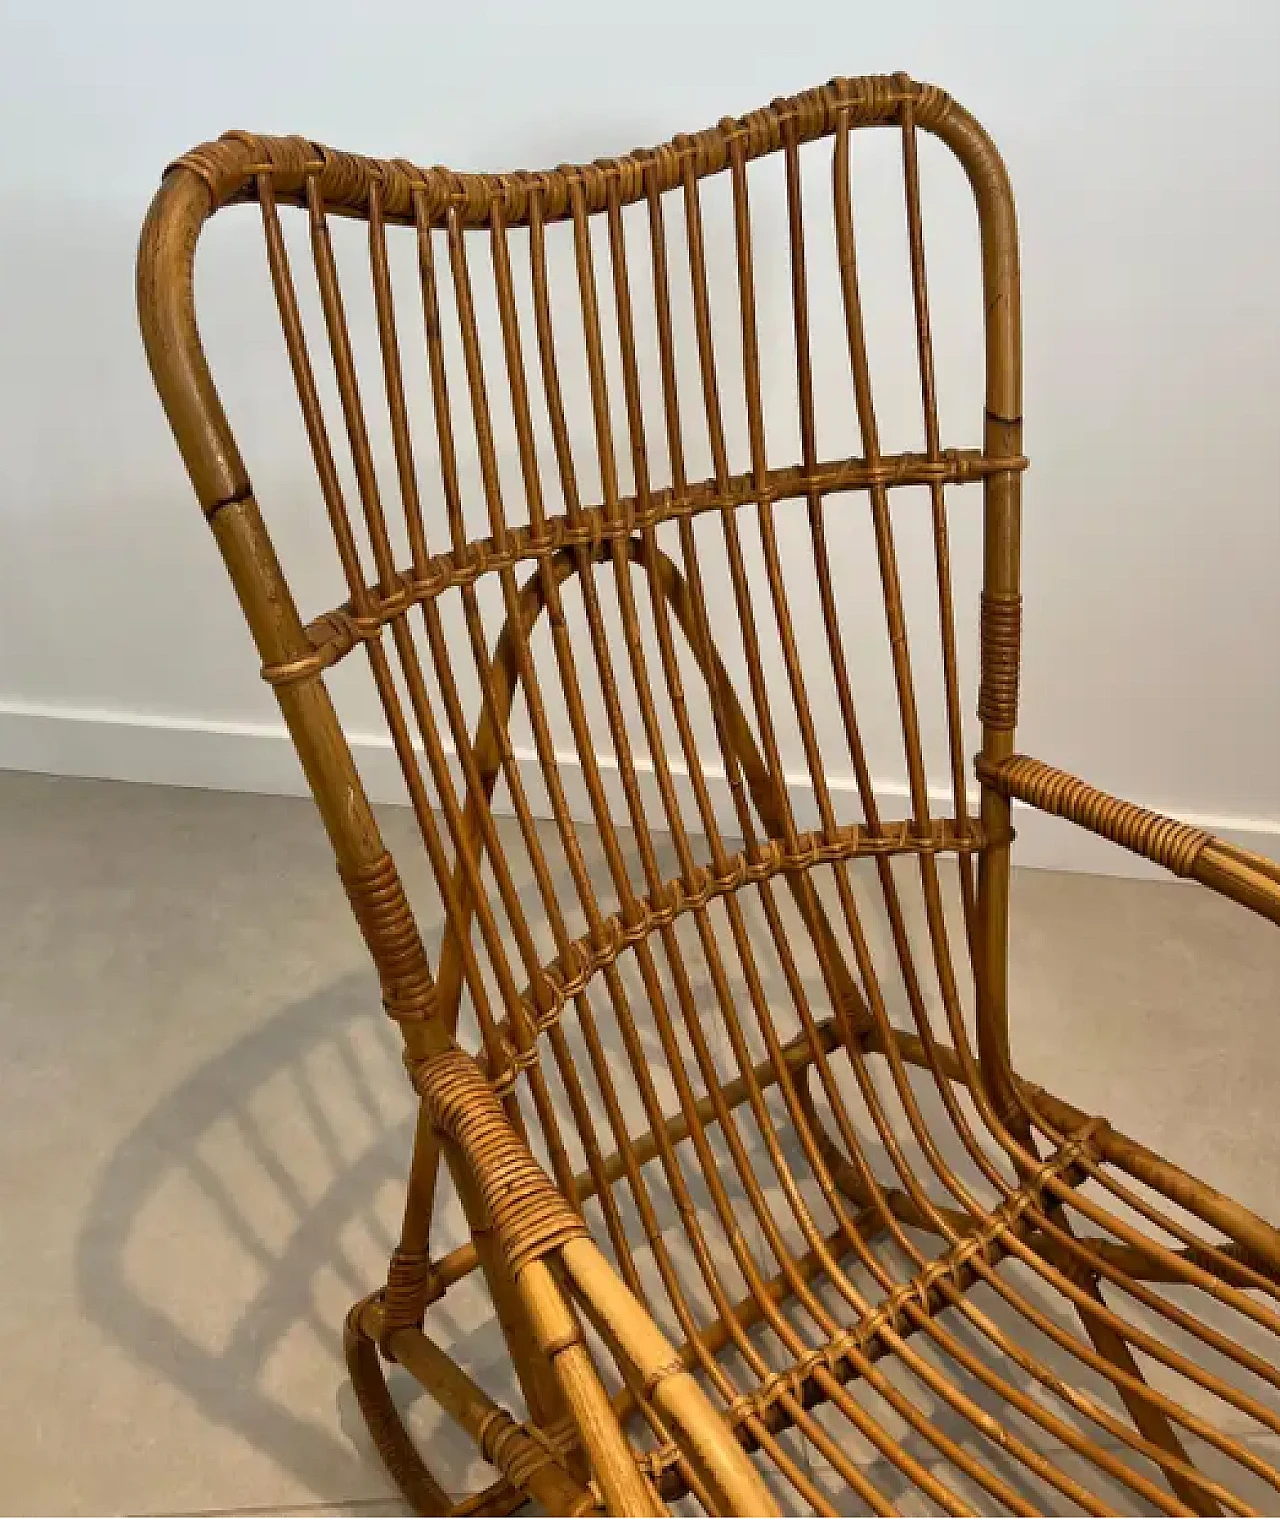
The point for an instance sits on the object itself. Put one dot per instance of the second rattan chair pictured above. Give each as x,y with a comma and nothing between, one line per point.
716,1054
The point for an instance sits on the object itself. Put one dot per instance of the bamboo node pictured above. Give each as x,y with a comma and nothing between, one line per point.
566,1342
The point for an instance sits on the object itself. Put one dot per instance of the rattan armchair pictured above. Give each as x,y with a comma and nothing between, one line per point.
724,1088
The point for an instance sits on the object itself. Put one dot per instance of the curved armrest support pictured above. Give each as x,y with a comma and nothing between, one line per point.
704,1438
534,1225
1249,879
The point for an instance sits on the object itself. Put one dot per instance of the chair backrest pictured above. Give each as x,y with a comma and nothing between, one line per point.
619,523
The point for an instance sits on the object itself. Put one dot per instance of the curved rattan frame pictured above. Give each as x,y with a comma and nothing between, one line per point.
1079,1204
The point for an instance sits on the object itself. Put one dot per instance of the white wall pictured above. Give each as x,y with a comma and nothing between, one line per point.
1144,145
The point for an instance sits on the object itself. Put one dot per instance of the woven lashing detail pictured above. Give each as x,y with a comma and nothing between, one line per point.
338,632
330,637
409,1289
562,979
382,911
657,1461
527,1211
1171,844
517,1451
1000,634
230,166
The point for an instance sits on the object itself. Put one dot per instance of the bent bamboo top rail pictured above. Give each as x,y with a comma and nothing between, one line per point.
230,166
232,169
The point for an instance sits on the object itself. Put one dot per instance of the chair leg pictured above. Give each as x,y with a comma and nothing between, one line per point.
1152,1422
1112,1347
535,1463
407,1469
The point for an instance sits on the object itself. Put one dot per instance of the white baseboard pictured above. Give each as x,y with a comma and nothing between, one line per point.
252,757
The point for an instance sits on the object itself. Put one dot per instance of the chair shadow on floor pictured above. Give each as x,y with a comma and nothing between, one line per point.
229,1232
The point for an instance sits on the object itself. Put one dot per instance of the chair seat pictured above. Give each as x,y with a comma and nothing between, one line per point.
982,1370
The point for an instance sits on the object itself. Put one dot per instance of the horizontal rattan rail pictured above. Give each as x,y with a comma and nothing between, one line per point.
567,977
335,634
715,1055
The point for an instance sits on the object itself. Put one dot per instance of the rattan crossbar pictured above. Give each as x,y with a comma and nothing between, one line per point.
715,1053
335,634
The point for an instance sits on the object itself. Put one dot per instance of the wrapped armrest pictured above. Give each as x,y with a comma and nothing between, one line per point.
534,1223
1186,851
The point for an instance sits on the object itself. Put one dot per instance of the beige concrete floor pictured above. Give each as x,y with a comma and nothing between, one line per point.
204,1124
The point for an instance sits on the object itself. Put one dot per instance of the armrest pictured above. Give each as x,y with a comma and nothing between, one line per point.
535,1224
1239,874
